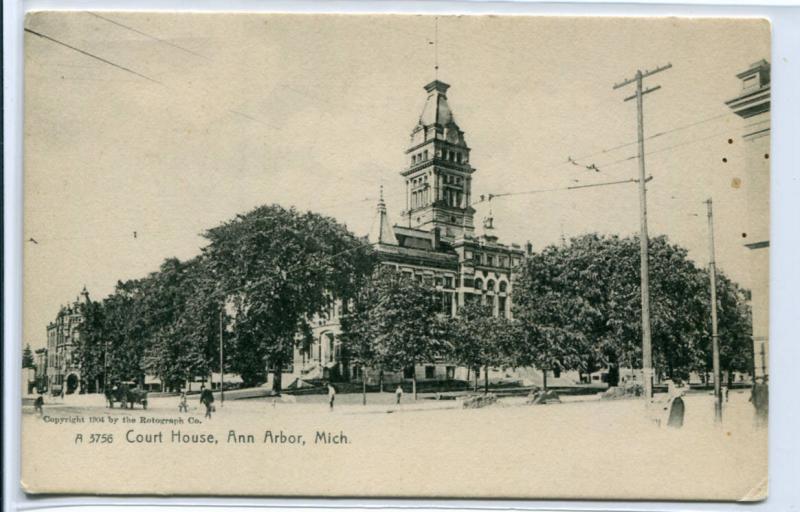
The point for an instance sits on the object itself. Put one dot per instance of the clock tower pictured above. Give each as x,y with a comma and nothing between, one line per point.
438,176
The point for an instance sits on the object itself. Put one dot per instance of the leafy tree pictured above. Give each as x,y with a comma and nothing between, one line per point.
182,318
396,323
579,305
359,334
126,330
734,328
480,340
91,345
279,267
27,358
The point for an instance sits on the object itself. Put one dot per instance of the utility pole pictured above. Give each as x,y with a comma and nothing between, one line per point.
712,275
221,360
647,347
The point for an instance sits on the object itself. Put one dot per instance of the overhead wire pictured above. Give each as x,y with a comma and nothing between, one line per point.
92,55
145,34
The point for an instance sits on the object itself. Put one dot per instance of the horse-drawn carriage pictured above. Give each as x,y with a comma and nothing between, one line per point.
126,393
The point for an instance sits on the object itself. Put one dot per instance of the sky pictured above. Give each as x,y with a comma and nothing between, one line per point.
189,119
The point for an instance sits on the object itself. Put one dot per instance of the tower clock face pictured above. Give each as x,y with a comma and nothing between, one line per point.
452,136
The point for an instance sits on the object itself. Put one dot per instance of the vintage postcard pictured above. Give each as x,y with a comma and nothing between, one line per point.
396,256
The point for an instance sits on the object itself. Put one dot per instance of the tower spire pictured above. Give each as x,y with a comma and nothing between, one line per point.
382,233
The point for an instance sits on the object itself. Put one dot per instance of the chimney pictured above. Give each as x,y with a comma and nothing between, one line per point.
529,248
437,238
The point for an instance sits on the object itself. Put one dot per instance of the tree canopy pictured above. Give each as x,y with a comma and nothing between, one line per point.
580,307
396,323
27,357
280,267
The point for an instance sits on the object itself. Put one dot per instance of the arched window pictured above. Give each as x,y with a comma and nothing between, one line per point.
490,285
478,284
503,286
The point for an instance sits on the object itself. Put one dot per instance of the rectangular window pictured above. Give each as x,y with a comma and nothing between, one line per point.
408,372
448,282
447,303
501,307
430,372
490,261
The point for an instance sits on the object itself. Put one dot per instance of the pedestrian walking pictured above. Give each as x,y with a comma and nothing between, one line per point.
398,393
331,394
38,405
182,405
207,399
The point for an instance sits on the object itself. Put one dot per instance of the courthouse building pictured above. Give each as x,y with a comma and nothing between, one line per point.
753,105
435,242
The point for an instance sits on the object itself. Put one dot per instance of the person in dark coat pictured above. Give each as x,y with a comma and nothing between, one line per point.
38,405
207,399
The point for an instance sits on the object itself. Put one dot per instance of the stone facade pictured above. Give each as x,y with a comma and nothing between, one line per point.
63,367
753,105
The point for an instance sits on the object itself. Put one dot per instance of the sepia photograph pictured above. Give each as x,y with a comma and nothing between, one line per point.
407,256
